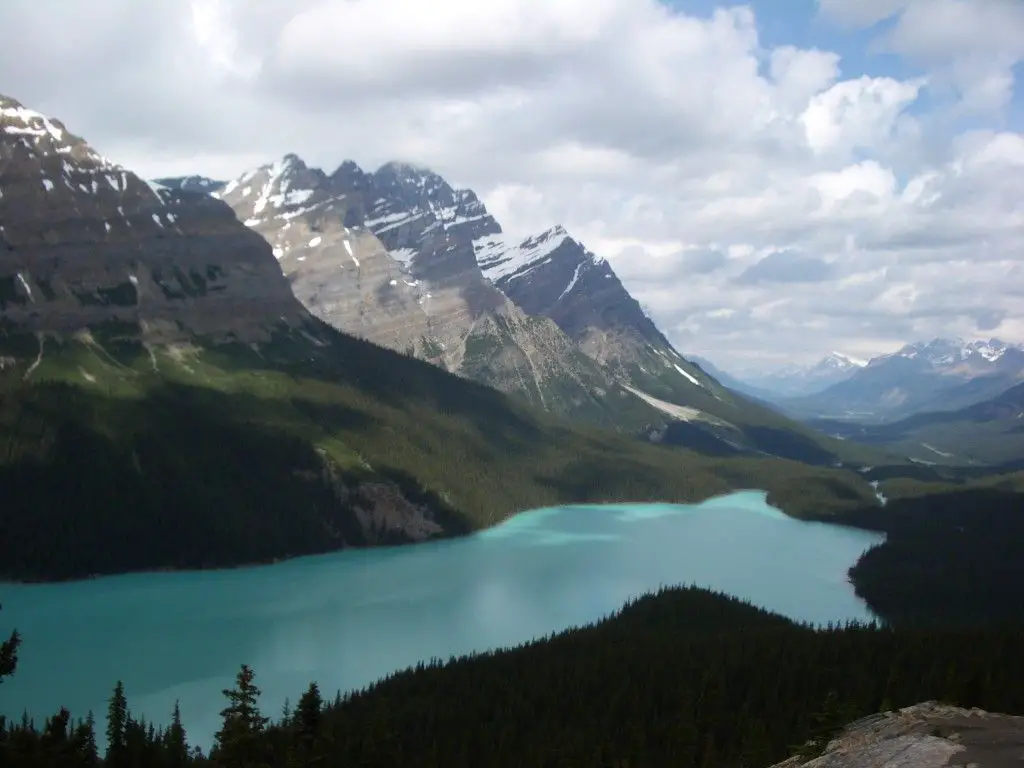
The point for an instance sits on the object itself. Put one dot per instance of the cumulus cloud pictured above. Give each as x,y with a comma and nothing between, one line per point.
766,202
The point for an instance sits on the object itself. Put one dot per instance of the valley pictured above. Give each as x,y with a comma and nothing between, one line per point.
174,333
547,433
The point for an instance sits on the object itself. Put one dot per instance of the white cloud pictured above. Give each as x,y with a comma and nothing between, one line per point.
680,147
973,45
856,114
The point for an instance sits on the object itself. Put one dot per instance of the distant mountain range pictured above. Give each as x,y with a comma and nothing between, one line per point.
941,374
790,380
937,375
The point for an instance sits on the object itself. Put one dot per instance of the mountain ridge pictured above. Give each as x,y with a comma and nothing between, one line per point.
403,258
940,374
791,380
387,256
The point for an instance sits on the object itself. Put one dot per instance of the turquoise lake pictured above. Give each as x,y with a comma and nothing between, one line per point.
348,618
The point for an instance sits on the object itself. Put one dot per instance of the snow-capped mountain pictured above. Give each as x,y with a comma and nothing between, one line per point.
937,375
552,275
388,256
401,257
85,242
955,356
797,380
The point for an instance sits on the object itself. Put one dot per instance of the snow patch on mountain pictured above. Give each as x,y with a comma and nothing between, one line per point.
840,360
687,374
502,258
498,257
944,353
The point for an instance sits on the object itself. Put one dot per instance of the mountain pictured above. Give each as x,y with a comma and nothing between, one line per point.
167,402
200,184
805,380
87,244
388,256
553,275
790,380
402,258
942,374
990,432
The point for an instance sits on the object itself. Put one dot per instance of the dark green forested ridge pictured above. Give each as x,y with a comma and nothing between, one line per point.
682,678
199,456
949,557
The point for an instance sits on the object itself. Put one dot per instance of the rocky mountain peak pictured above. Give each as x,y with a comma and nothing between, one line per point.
837,361
553,275
283,189
47,170
38,135
411,179
349,178
86,241
950,352
426,223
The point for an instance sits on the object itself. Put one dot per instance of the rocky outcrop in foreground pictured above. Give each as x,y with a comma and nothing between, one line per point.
927,735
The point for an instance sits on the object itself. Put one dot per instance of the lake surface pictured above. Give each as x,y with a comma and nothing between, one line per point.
349,618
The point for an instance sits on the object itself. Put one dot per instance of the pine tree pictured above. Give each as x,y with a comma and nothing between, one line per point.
9,654
135,741
176,745
85,737
237,743
286,713
306,725
117,724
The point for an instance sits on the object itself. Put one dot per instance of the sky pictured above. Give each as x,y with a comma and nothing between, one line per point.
772,180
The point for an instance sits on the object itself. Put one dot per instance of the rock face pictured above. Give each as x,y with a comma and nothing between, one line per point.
926,735
84,241
552,275
390,257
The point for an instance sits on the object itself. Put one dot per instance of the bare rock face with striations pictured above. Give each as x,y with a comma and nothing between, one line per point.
390,257
553,275
926,735
84,241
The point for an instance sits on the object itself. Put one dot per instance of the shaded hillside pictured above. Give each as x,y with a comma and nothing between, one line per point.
349,444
